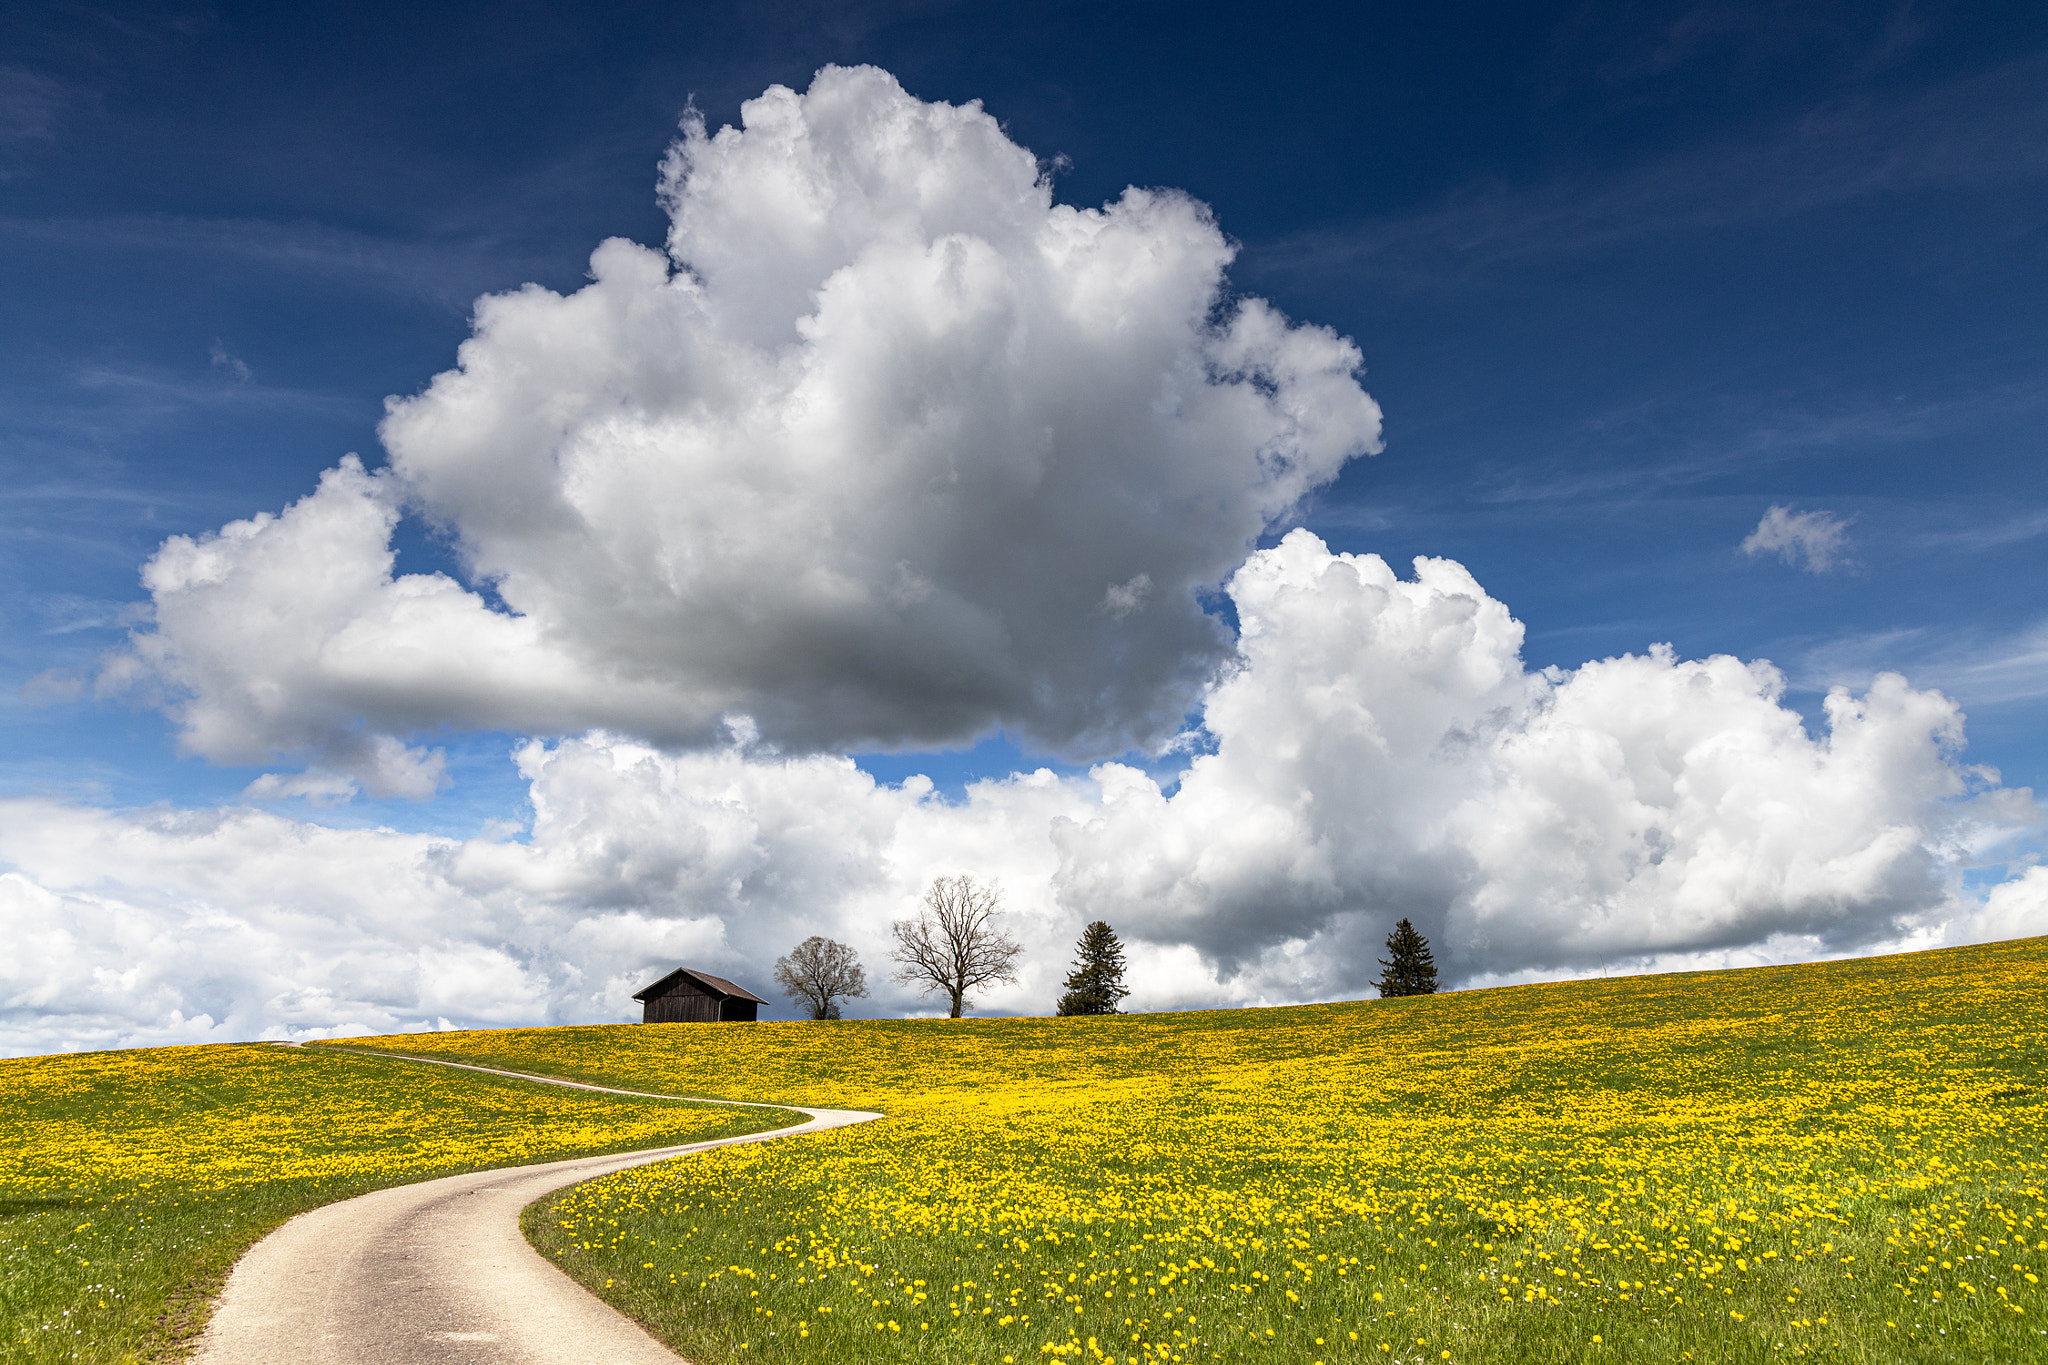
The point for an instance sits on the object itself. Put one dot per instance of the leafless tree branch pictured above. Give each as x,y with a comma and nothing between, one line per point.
953,945
818,971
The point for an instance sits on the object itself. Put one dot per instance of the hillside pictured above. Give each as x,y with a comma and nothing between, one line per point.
130,1181
1840,1161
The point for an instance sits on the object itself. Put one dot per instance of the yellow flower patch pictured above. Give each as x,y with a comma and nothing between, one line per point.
1749,1163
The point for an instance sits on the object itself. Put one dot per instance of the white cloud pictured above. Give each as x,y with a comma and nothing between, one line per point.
1814,541
888,449
316,786
1382,752
2017,908
160,926
1379,750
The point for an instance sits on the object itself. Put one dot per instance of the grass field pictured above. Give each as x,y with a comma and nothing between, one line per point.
130,1181
1840,1162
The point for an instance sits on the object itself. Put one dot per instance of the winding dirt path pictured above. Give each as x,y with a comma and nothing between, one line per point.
438,1271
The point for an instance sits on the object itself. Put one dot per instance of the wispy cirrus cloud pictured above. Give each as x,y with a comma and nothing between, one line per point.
1976,669
447,270
55,422
1703,435
30,105
67,613
1985,130
1988,534
228,362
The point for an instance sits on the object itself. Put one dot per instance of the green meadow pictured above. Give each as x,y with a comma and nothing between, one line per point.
1840,1161
131,1181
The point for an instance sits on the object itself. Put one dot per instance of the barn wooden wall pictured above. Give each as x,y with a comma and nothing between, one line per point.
682,1007
685,1004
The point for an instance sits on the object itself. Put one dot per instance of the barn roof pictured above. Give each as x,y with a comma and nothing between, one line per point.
712,985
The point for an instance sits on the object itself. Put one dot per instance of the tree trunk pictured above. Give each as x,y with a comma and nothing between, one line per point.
956,1005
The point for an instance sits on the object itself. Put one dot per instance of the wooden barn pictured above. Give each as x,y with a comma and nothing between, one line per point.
687,997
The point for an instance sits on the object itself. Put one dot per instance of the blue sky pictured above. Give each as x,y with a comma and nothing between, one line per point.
1624,278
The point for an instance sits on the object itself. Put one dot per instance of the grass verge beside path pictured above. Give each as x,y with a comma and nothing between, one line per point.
131,1181
1840,1161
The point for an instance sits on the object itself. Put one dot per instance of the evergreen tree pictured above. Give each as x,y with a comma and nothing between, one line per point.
1412,971
1096,984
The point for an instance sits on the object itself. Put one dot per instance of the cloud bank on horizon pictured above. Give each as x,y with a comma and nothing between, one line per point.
890,449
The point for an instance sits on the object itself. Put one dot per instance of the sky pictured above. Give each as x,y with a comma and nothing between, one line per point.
504,500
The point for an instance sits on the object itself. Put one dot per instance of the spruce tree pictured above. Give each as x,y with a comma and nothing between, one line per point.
1411,970
1096,984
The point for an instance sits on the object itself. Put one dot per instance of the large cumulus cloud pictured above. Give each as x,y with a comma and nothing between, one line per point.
1379,750
887,448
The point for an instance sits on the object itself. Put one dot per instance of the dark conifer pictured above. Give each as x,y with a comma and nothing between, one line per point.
1096,985
1412,971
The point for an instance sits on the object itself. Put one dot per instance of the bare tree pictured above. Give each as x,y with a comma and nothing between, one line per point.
818,971
953,945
